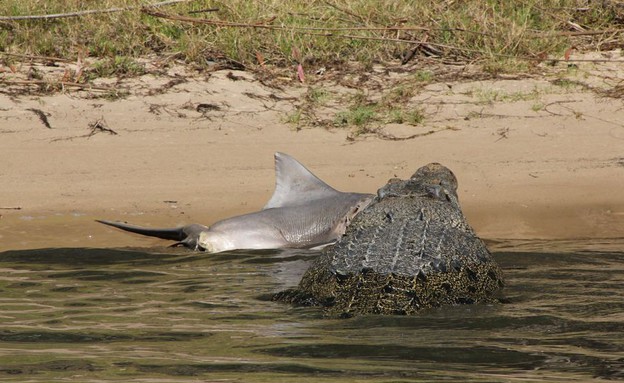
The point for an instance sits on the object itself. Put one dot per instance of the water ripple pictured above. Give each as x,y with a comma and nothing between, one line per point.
169,315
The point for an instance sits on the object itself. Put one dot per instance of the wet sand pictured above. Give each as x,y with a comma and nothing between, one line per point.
548,167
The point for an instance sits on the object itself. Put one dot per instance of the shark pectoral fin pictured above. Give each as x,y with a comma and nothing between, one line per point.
189,243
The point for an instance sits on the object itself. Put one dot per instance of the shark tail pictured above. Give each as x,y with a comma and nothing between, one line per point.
176,234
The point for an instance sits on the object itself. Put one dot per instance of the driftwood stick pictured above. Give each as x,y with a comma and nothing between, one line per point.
36,57
87,12
52,83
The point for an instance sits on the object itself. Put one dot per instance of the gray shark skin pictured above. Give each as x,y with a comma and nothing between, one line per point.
410,249
303,212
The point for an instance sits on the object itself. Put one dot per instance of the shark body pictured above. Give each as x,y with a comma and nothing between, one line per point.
303,212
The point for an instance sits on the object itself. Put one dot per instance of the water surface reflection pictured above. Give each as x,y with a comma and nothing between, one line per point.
168,315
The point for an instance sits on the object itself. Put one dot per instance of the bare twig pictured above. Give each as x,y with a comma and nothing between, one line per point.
62,83
576,33
502,133
11,208
391,137
87,12
42,116
204,10
99,126
36,57
560,103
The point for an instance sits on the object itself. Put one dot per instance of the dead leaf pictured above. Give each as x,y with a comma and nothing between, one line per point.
260,59
300,73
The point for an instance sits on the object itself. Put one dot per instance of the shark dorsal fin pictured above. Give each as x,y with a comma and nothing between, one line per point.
296,185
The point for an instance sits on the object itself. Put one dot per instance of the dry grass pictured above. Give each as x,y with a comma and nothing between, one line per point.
502,36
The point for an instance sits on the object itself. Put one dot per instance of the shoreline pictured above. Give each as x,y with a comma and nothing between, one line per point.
554,173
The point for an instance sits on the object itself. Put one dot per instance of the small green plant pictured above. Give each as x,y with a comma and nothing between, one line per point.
358,116
113,95
398,95
410,117
489,96
565,83
294,118
317,96
423,76
362,115
117,66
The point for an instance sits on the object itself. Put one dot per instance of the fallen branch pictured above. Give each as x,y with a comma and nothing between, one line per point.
87,12
36,57
52,83
580,33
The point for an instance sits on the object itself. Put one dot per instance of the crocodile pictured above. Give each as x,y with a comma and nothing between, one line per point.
410,249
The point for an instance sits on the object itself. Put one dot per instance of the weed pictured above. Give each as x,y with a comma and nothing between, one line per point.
566,84
116,66
410,117
538,106
399,94
423,76
359,116
317,96
489,96
294,118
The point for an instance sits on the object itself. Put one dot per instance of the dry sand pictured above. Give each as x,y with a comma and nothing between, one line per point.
548,165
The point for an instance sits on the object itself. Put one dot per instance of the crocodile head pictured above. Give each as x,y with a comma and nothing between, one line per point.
432,180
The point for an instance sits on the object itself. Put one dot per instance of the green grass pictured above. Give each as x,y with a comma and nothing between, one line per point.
359,116
489,96
537,107
503,36
364,115
403,116
116,66
317,96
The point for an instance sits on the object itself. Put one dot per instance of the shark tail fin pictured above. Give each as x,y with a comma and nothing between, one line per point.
176,234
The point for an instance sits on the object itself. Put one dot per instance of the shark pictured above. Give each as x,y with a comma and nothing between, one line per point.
303,212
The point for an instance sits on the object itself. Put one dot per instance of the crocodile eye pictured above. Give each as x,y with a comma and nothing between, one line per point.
389,215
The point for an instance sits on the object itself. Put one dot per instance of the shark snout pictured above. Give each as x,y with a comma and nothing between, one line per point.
214,242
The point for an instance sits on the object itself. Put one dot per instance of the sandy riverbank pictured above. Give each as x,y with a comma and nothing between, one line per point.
545,167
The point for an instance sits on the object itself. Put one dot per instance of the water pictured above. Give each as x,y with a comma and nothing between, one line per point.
101,315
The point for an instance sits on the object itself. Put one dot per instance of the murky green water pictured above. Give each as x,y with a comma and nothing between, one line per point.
95,315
